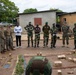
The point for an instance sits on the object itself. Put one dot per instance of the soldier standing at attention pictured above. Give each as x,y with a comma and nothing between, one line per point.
46,29
65,35
53,35
9,38
2,40
37,30
74,32
29,28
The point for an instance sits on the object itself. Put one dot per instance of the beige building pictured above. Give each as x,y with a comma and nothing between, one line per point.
70,18
38,18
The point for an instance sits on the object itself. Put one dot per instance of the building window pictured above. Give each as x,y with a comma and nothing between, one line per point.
64,20
38,21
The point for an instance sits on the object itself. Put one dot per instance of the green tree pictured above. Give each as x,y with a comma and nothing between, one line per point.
58,10
8,10
30,10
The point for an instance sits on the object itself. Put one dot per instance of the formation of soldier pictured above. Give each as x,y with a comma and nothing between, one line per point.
46,31
6,39
49,30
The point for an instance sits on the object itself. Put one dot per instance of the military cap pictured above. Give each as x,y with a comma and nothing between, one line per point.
46,23
53,23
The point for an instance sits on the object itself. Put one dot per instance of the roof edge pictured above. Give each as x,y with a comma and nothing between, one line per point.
38,12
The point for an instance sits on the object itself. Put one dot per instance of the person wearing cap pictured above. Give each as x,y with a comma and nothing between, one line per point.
18,31
74,32
37,31
2,40
65,34
9,38
29,28
53,31
46,30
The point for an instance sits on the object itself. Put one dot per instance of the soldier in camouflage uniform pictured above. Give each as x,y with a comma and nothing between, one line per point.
9,38
65,35
37,30
29,28
53,35
46,29
74,32
2,40
38,65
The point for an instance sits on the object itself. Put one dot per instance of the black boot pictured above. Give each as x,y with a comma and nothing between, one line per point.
75,47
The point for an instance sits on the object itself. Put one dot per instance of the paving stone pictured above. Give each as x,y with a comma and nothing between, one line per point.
59,72
70,72
74,60
57,63
61,57
70,59
73,51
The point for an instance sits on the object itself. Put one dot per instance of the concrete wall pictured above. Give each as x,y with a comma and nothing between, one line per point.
49,17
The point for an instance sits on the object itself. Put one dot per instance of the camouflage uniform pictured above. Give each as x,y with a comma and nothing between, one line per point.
29,28
2,40
38,65
74,32
46,29
37,35
53,35
65,36
9,38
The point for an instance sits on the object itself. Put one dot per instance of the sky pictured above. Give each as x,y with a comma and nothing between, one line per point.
42,5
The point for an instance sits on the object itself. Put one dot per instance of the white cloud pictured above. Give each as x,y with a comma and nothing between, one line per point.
65,5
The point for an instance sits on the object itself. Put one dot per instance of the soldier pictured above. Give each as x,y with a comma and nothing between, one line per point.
38,65
29,28
65,36
37,30
53,35
46,29
74,32
2,40
9,38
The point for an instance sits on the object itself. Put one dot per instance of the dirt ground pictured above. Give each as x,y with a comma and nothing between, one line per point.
51,54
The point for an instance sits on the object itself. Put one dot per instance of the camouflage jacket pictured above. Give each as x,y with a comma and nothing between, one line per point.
2,34
8,33
46,29
29,29
65,29
74,31
53,30
37,30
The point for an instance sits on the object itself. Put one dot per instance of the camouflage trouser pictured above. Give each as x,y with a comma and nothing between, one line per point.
53,40
46,38
30,36
2,44
9,42
37,39
65,37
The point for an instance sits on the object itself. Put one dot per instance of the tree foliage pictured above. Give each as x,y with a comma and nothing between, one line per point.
8,10
30,10
58,10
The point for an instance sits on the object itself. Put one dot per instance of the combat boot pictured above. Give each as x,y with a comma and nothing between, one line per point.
35,46
75,47
51,46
